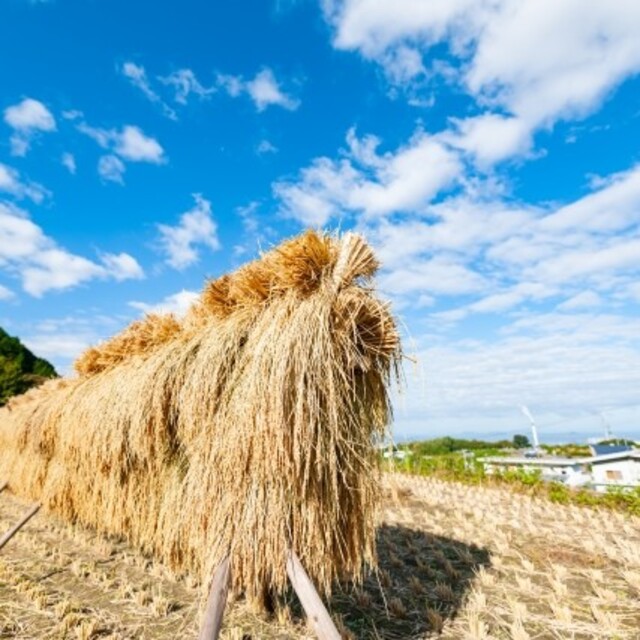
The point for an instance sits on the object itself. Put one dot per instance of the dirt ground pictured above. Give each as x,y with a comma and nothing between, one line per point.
455,562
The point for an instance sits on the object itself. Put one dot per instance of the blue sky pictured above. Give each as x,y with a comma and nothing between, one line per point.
489,151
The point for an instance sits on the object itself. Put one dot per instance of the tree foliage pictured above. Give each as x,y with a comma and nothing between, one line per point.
440,446
19,368
521,442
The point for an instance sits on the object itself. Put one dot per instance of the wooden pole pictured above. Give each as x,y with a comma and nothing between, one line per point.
311,602
12,532
210,629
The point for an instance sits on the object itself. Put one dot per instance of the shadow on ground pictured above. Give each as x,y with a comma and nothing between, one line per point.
422,582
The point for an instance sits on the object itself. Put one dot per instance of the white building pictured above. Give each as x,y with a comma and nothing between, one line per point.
573,471
621,469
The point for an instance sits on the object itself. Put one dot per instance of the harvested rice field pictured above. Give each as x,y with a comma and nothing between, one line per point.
455,562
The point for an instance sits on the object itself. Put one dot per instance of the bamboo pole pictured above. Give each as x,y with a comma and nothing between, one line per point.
12,532
311,602
210,629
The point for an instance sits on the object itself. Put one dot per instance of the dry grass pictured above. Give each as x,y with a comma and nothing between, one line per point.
552,571
456,562
247,430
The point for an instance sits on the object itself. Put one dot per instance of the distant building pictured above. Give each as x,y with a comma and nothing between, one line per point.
573,471
620,469
604,449
394,452
601,471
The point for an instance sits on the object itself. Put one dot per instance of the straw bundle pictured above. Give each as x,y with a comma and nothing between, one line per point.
247,429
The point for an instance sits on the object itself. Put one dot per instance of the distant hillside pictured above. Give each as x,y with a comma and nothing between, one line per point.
19,368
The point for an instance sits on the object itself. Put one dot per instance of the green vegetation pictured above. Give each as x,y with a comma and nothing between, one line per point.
466,468
521,442
443,446
19,368
567,450
620,442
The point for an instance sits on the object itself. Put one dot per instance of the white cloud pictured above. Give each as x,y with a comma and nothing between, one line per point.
478,385
27,119
111,169
53,268
66,346
568,54
440,275
265,91
11,183
132,144
370,183
590,262
29,115
490,138
72,114
404,64
264,146
122,266
20,145
196,227
69,162
104,137
176,303
264,88
538,60
129,143
137,76
62,339
233,85
582,300
6,293
613,207
42,265
185,83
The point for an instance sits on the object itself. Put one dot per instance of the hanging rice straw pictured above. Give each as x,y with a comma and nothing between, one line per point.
246,430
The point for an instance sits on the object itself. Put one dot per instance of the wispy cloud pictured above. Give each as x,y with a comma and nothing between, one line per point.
111,169
196,227
69,162
6,293
129,143
185,84
264,147
137,76
13,184
265,91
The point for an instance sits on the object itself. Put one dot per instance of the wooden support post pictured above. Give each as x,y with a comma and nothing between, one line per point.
3,486
12,532
311,603
210,629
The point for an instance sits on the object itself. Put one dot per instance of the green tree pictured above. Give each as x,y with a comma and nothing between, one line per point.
521,442
19,368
